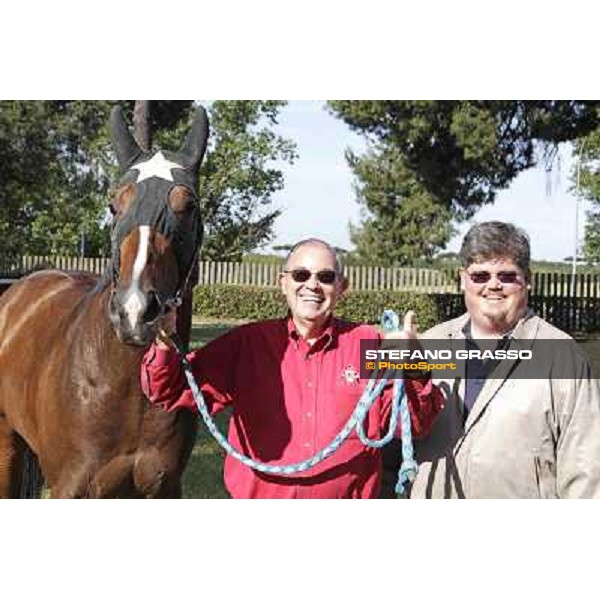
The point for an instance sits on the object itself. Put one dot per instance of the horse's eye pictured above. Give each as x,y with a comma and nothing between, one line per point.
123,199
181,200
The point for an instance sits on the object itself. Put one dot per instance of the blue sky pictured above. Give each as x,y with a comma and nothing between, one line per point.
318,199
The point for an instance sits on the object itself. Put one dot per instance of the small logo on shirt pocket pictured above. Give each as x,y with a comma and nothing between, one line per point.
350,375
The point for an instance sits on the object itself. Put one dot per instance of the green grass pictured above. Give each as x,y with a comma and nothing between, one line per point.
204,331
203,477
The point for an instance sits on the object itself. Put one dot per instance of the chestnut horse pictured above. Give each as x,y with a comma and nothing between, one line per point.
71,344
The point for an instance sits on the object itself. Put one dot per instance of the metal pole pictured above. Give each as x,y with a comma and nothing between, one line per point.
577,208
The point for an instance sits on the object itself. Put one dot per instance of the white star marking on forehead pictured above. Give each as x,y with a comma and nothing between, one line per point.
157,166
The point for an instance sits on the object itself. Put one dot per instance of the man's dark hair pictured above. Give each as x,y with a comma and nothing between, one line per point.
495,239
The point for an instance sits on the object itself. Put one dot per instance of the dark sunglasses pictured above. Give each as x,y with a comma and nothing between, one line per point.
502,276
326,276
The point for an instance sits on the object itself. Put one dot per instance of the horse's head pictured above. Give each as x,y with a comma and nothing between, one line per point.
157,230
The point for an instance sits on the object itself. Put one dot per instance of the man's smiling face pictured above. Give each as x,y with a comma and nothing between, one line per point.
497,304
311,302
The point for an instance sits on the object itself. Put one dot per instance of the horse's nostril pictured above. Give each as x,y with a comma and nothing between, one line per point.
153,308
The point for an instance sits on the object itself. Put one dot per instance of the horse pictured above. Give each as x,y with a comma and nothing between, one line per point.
71,343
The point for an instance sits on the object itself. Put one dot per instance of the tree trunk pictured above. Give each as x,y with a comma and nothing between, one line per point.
141,124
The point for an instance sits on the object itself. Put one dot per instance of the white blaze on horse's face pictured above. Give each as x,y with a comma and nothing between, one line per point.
134,302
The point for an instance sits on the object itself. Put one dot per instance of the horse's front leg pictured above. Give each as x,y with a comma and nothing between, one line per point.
113,479
12,464
156,474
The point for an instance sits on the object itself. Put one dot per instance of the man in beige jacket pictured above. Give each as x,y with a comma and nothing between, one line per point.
502,435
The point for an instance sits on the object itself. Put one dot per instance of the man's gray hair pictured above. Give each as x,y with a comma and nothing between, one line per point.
316,241
495,239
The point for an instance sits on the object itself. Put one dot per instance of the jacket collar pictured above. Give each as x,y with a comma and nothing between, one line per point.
523,330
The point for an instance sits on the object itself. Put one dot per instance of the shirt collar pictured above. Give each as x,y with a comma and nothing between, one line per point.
467,330
323,341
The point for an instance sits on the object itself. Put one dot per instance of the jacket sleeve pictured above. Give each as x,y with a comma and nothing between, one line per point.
425,399
163,381
578,444
425,402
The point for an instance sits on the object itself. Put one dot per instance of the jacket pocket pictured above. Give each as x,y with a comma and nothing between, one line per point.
545,477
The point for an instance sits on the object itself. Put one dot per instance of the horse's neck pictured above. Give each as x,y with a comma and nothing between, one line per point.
184,319
102,339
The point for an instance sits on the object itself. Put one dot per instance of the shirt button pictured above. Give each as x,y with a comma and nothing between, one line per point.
307,444
309,383
309,414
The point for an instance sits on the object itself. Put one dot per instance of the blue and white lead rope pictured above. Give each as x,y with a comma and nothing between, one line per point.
408,469
390,322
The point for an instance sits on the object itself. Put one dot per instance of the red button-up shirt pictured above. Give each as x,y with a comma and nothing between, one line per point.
289,401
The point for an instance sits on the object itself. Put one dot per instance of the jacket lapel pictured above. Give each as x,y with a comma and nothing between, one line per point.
524,334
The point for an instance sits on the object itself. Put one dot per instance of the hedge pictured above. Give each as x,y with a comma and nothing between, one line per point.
247,302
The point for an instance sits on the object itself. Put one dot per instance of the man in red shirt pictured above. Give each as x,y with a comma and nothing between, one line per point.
292,383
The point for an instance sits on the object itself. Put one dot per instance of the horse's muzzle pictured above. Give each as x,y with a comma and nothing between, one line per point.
136,316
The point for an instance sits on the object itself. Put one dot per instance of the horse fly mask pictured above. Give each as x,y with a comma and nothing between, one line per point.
154,176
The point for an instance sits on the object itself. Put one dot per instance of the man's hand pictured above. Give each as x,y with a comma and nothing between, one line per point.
168,325
409,331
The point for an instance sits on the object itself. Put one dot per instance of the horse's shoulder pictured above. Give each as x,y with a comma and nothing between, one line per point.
50,287
53,278
62,276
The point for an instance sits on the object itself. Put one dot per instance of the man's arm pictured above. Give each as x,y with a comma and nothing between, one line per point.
578,446
425,400
162,377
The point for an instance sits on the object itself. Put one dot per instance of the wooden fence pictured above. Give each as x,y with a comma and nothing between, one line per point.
572,304
19,266
435,281
360,278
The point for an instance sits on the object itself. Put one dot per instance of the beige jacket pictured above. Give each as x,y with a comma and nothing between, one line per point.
524,438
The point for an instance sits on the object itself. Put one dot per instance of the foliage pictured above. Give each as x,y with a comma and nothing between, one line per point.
434,163
51,187
224,302
368,306
254,303
58,166
239,179
591,243
238,176
263,259
586,183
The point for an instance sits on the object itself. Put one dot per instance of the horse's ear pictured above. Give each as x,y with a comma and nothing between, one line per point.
193,149
123,142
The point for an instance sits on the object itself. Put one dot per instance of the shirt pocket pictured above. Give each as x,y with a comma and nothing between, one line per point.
341,404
